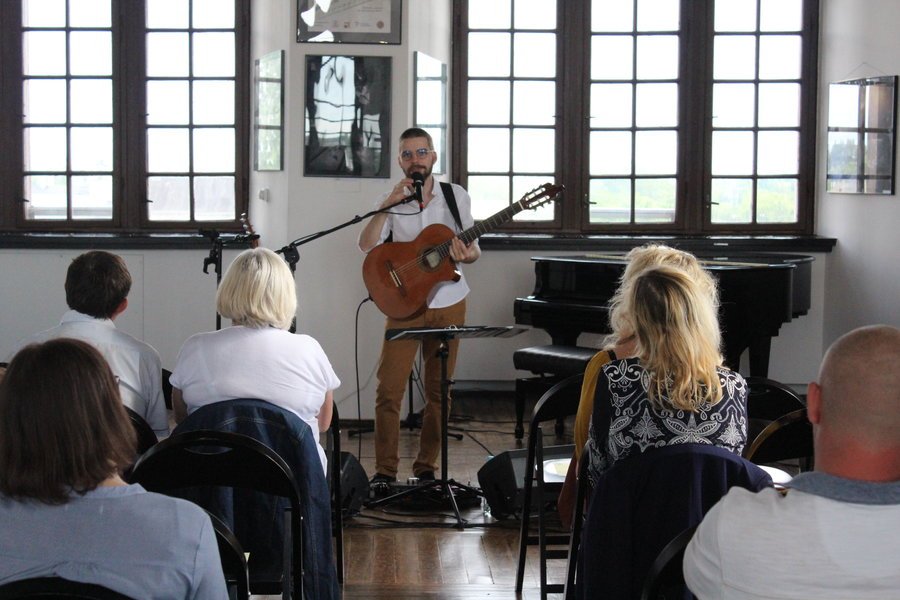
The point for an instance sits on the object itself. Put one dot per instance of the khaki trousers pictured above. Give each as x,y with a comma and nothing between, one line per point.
393,373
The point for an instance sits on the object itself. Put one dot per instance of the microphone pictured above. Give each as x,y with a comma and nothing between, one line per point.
418,180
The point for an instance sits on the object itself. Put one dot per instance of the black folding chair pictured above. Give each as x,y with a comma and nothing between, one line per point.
665,579
767,400
790,437
146,437
57,588
234,561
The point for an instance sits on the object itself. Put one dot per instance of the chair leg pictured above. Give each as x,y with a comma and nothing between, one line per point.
521,395
526,511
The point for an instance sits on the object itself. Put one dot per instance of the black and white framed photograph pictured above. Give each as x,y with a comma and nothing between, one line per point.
268,118
348,116
349,21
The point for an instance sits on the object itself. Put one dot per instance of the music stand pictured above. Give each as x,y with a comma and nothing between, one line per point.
444,482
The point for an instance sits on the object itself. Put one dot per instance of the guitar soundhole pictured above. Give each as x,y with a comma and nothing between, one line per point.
431,259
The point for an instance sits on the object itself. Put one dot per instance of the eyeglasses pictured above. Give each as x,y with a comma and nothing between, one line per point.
420,152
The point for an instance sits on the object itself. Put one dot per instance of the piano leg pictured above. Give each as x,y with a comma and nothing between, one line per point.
759,356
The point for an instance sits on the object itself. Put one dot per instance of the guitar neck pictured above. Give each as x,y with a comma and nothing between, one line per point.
473,233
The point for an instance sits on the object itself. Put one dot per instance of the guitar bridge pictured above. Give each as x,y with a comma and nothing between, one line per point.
394,276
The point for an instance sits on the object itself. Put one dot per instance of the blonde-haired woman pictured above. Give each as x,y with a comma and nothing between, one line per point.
674,390
256,357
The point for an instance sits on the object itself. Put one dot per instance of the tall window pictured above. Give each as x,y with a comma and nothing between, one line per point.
133,114
681,116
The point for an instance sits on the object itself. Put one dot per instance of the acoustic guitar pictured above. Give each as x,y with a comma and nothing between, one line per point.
400,275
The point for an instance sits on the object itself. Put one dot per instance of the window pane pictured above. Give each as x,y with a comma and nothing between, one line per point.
488,150
735,15
167,102
781,15
214,150
611,57
44,53
657,15
611,105
533,151
779,57
523,185
170,198
214,102
655,152
90,53
732,200
44,13
533,14
213,14
654,200
490,195
732,153
45,149
92,197
734,57
733,105
777,153
167,14
47,197
776,201
656,105
90,13
610,201
167,55
92,149
489,102
490,15
534,102
214,198
610,153
213,54
167,150
91,100
612,15
494,45
657,57
779,105
534,55
45,100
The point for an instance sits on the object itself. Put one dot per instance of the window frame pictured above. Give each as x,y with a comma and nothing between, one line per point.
129,213
694,160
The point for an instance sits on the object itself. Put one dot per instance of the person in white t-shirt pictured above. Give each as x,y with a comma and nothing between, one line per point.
256,357
97,287
835,533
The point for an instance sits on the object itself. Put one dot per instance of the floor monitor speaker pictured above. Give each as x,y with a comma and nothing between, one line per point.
354,483
502,478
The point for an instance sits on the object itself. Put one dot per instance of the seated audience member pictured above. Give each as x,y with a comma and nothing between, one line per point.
833,534
620,343
256,357
97,286
64,509
674,389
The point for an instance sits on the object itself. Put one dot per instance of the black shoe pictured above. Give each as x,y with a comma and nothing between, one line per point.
382,479
426,476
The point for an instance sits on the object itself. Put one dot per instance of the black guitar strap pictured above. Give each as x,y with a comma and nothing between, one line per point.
451,203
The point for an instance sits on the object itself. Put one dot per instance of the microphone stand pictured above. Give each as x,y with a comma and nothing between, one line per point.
215,255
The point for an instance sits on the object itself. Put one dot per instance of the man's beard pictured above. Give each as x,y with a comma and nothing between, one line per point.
425,171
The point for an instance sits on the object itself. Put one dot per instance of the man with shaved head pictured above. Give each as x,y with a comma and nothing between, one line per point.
835,533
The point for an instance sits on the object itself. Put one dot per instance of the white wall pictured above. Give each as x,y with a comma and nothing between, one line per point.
172,298
858,39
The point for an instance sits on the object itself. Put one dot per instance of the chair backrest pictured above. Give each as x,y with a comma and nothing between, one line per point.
786,438
216,458
146,437
561,400
167,388
51,588
666,573
769,399
234,561
643,502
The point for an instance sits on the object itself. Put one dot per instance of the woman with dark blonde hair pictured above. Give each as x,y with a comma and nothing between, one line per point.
674,390
65,510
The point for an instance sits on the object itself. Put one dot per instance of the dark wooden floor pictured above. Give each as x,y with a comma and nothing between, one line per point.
400,551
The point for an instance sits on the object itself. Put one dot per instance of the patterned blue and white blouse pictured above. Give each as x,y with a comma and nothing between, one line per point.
625,421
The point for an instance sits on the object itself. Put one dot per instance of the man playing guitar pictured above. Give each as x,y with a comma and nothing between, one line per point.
445,306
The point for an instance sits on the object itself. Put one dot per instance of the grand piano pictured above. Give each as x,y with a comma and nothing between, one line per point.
758,293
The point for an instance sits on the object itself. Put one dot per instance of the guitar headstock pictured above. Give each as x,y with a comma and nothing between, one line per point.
541,195
248,230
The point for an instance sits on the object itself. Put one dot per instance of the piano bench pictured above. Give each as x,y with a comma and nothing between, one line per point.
551,364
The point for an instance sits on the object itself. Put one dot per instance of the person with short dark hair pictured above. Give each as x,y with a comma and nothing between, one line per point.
834,532
97,287
65,510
